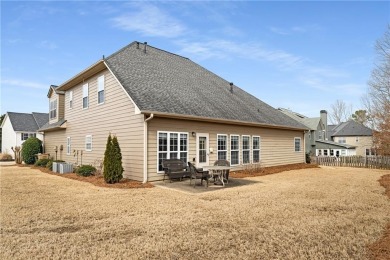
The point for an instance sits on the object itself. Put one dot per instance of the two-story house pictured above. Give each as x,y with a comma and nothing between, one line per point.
162,105
17,127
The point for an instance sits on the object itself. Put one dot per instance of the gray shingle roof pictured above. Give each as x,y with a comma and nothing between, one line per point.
52,126
348,146
351,128
24,122
311,123
159,81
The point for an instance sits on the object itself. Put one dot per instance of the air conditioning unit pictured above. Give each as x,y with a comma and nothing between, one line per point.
65,168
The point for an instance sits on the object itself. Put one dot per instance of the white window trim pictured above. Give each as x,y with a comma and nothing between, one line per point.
168,145
253,137
71,99
242,148
85,95
101,89
54,102
227,146
230,148
86,138
68,145
300,144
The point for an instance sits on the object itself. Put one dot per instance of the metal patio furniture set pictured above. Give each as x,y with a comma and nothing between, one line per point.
177,169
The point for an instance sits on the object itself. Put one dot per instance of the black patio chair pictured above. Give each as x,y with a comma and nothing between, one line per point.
223,163
198,174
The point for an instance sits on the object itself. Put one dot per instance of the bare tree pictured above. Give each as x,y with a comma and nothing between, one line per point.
340,112
377,100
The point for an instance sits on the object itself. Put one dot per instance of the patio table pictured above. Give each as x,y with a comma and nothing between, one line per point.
216,170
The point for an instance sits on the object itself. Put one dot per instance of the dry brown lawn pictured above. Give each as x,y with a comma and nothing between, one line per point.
320,213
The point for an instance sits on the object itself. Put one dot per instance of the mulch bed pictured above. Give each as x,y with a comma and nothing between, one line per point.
380,249
271,170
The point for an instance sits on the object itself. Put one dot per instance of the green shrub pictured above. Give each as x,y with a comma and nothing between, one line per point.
113,170
42,162
85,170
30,148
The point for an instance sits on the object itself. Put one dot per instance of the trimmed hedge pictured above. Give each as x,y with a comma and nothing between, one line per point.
85,170
30,148
42,162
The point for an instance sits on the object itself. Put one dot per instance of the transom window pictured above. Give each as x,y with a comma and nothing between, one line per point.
85,96
222,147
246,149
256,149
53,109
101,89
297,144
172,145
235,149
88,143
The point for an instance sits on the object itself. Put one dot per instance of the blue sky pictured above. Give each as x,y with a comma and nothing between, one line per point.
297,55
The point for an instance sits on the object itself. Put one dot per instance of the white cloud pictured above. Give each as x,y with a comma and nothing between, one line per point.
48,45
149,20
23,84
294,29
223,49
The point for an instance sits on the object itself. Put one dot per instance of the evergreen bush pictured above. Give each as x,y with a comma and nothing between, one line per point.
42,162
85,170
30,148
113,170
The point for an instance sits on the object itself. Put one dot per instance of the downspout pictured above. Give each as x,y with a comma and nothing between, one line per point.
146,147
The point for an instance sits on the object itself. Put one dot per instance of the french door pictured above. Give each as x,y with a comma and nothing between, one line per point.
202,150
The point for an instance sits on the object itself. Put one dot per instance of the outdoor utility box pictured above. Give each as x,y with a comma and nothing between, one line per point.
65,168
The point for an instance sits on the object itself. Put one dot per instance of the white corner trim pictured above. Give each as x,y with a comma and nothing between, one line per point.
137,111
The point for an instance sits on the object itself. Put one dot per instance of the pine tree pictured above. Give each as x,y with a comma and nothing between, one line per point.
117,160
107,163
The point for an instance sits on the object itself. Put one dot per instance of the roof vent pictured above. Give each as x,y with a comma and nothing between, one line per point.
231,87
145,43
137,45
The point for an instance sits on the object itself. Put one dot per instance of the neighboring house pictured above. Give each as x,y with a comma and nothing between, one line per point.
17,127
316,125
162,105
352,133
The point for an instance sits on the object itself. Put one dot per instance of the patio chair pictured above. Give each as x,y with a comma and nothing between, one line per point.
198,174
223,163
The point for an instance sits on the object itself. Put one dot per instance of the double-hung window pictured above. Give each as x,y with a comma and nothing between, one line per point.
246,149
172,145
297,144
222,147
85,95
256,149
234,149
70,99
88,143
69,146
342,140
53,109
25,136
101,89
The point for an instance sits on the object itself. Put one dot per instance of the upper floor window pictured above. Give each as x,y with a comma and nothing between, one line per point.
70,99
53,109
342,140
101,89
297,144
222,147
25,136
246,149
85,95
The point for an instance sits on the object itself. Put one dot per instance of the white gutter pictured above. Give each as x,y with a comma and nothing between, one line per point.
146,147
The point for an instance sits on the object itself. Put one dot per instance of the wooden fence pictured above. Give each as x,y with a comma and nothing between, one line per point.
374,162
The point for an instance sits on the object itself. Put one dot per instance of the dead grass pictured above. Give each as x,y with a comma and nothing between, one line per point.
320,213
272,170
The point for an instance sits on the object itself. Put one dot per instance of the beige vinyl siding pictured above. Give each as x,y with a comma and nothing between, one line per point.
276,146
365,142
56,138
116,116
